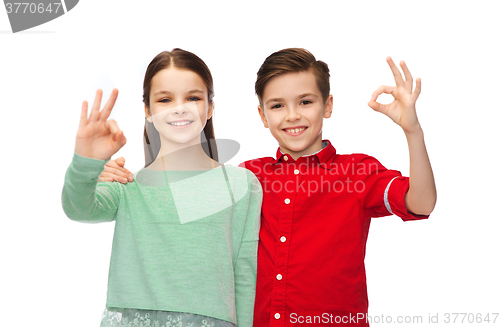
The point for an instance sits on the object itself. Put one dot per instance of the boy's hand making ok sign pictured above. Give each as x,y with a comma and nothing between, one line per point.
402,109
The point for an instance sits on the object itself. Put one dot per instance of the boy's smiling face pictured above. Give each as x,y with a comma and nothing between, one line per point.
293,109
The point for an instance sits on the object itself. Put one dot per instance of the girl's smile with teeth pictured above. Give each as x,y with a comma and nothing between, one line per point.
180,122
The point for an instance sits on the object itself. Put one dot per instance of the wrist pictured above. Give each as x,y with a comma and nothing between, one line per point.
415,137
414,131
89,155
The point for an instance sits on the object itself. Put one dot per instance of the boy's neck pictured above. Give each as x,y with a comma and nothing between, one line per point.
316,147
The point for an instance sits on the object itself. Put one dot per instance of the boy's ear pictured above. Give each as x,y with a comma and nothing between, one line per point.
148,114
210,110
263,116
328,107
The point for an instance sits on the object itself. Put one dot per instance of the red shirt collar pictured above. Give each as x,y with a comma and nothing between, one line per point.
325,155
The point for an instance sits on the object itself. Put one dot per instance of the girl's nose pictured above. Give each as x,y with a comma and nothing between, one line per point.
180,110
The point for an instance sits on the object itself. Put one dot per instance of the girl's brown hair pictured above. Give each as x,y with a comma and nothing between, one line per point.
293,60
184,60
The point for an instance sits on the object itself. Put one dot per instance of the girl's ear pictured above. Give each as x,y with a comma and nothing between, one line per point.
210,110
263,116
148,114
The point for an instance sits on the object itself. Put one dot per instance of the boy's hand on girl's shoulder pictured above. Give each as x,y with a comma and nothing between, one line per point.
402,110
114,170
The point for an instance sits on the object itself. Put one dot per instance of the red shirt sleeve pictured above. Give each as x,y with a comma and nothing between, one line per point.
382,191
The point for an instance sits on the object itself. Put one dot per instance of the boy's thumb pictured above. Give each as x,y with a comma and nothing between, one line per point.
120,161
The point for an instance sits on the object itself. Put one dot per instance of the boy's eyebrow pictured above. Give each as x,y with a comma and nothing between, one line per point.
307,95
273,100
299,97
168,92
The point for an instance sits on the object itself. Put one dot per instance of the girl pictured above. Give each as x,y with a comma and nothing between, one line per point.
185,242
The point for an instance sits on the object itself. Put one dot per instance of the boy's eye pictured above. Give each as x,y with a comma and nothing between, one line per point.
276,106
306,102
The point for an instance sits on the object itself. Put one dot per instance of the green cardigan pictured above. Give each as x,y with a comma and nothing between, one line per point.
184,241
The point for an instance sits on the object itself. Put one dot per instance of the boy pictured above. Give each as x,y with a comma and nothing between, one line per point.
317,204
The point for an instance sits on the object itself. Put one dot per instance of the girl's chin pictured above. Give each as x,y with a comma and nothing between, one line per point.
178,139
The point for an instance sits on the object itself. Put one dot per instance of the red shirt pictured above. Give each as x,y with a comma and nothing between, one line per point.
316,214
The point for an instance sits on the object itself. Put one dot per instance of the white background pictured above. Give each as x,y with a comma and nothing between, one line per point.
54,270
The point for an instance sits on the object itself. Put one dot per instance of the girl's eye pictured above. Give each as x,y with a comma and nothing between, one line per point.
276,106
194,99
165,100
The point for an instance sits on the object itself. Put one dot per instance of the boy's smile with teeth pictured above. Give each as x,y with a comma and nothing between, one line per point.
294,130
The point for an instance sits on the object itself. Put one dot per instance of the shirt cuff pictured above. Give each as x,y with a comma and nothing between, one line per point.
87,167
394,199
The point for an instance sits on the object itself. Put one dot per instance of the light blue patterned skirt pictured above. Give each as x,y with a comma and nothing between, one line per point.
115,317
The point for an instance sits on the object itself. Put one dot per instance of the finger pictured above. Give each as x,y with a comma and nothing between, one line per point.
111,163
116,163
113,127
83,114
395,71
120,161
120,139
94,114
116,134
119,165
106,111
418,87
408,77
105,177
116,174
383,108
112,167
382,89
113,177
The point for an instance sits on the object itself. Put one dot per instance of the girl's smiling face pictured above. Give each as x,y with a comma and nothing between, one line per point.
179,106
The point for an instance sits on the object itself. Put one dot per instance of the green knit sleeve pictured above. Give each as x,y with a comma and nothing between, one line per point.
245,270
83,198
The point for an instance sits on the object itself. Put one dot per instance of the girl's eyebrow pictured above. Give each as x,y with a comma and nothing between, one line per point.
168,92
161,92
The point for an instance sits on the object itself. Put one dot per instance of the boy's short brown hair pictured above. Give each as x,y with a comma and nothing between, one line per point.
292,60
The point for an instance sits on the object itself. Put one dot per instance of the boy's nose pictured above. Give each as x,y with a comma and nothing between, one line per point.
292,115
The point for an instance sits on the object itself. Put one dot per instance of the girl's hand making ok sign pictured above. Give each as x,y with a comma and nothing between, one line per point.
99,137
